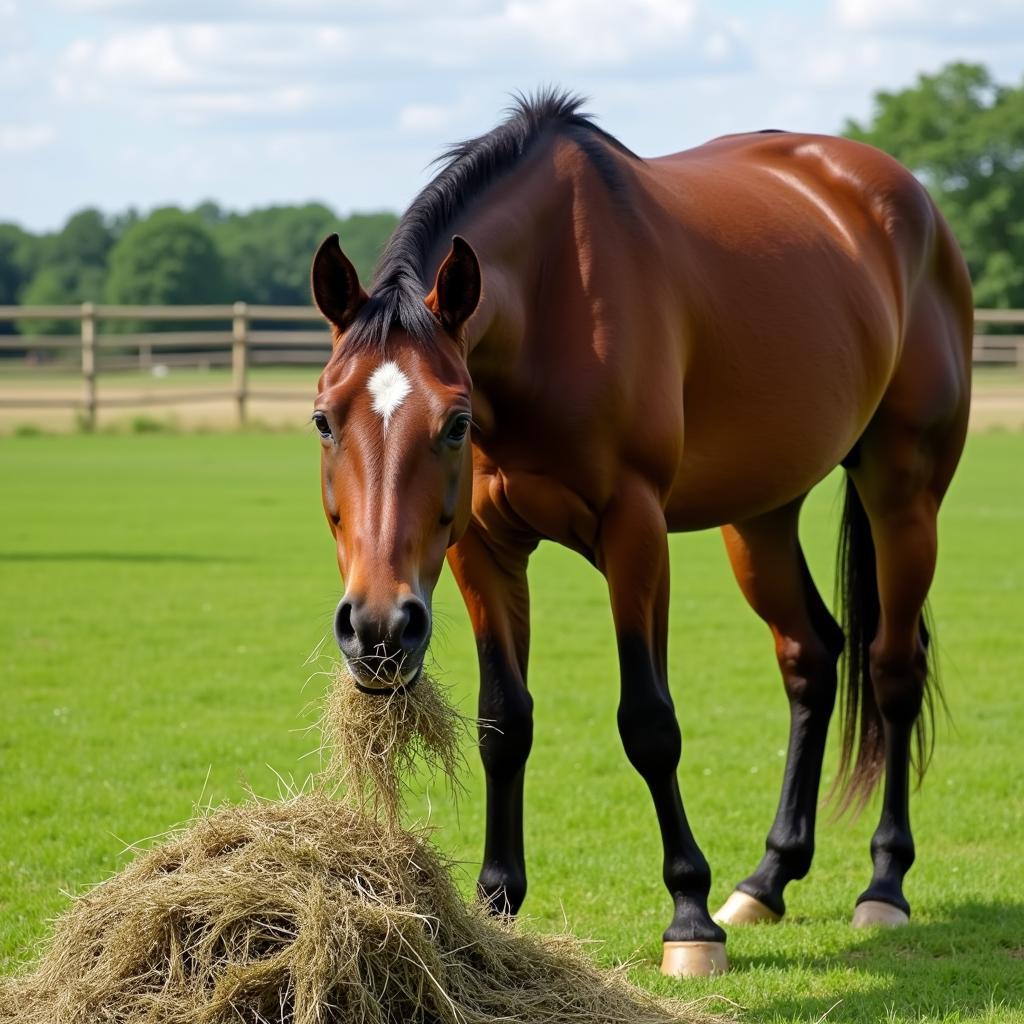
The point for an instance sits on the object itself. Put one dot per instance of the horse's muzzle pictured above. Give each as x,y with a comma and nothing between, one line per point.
388,636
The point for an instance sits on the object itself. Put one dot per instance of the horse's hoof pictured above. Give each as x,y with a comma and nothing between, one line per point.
694,959
740,908
876,914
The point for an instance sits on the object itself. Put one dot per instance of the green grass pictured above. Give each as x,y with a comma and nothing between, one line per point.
160,594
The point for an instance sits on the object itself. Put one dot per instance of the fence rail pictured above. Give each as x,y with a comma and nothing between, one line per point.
234,345
239,345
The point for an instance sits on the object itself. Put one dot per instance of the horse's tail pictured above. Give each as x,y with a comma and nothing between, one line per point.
862,756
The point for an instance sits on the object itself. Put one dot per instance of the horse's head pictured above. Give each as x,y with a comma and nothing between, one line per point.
393,415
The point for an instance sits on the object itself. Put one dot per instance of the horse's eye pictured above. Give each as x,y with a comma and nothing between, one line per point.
457,429
321,424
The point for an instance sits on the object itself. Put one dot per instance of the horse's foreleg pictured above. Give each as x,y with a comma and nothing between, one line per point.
633,555
492,578
770,568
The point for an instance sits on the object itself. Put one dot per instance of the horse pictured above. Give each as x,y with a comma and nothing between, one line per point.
565,341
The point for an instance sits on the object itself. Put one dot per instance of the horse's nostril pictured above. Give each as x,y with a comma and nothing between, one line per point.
344,630
371,636
417,624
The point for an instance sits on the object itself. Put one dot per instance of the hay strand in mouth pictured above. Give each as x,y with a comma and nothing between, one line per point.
307,911
374,743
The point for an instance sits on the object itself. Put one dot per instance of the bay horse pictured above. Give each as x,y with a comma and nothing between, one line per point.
565,341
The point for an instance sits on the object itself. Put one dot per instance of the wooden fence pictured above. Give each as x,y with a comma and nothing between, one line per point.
236,344
243,338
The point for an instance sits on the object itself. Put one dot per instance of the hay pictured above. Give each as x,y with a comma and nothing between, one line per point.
307,911
313,910
374,744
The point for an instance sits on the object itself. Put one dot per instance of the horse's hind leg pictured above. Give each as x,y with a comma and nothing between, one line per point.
770,568
901,469
633,555
900,480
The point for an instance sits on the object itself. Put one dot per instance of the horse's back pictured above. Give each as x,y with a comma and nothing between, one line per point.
801,265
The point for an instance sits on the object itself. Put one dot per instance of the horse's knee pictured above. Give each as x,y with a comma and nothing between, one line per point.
650,734
506,730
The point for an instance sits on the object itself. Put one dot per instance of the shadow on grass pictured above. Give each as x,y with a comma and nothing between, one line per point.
128,557
964,964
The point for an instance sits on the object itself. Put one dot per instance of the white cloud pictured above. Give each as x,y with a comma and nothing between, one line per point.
191,71
603,32
930,17
258,10
424,118
285,100
199,68
150,55
16,139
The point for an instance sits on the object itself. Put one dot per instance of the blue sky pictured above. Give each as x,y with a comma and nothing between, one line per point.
115,103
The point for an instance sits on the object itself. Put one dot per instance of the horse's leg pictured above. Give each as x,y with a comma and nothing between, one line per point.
770,568
633,555
492,577
900,490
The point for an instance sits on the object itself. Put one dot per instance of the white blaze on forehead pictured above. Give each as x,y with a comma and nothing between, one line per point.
389,386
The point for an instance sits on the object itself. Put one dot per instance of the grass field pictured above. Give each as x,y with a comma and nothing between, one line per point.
160,594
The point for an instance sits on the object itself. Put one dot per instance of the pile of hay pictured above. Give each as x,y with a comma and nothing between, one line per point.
309,910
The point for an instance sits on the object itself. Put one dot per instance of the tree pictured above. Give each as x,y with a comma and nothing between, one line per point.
170,256
17,262
70,268
364,236
210,212
167,258
18,256
268,252
962,134
84,242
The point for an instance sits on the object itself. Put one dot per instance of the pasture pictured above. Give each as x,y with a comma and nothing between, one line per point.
161,594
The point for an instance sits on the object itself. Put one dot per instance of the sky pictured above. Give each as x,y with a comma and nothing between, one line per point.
118,103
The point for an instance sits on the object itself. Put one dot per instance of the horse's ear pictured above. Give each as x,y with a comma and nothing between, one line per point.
456,291
336,289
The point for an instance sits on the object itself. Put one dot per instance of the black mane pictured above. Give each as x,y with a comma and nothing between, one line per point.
396,294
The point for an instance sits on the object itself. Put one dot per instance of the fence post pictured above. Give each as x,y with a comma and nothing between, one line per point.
89,362
240,357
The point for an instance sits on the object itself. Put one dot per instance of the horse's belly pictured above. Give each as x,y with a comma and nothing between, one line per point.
748,459
777,397
712,496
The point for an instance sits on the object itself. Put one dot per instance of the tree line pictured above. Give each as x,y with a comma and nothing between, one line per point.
958,130
173,256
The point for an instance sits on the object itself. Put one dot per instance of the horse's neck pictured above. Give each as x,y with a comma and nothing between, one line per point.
526,235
